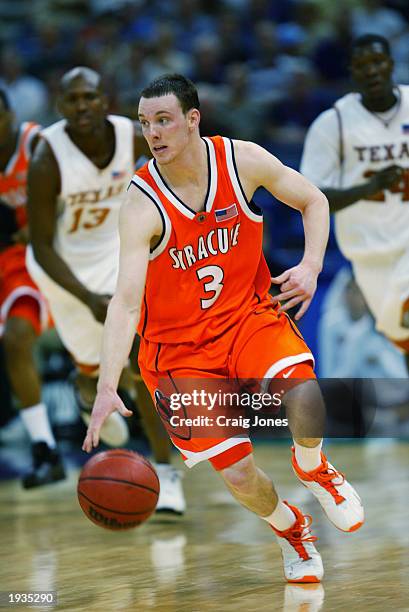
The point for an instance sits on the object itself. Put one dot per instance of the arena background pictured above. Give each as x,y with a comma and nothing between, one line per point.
264,69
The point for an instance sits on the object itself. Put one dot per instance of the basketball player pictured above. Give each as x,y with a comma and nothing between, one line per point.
193,273
22,310
358,154
79,171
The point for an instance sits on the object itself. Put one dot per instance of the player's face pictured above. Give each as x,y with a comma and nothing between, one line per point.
84,106
371,69
6,124
166,128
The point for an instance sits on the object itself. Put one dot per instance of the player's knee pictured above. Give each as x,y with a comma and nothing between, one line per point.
241,476
306,393
18,338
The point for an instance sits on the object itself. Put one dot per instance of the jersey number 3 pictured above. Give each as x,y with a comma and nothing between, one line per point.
215,285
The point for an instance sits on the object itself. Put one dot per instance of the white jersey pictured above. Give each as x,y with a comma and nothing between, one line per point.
377,227
87,235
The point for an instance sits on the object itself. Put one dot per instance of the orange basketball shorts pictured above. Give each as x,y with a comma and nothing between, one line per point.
19,295
265,345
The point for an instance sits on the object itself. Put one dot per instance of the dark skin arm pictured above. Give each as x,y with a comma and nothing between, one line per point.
379,181
43,189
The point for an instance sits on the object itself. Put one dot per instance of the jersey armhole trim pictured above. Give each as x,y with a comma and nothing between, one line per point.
250,209
166,223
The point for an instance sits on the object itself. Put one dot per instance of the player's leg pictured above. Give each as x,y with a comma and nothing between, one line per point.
21,330
306,416
233,459
282,353
384,286
393,319
254,490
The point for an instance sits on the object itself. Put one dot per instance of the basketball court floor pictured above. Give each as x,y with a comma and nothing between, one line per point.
218,556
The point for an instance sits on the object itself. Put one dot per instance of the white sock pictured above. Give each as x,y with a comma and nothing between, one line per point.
282,517
308,458
37,424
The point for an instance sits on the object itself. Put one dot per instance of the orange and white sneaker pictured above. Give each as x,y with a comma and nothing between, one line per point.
339,500
302,562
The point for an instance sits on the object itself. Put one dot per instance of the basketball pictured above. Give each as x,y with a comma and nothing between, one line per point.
118,489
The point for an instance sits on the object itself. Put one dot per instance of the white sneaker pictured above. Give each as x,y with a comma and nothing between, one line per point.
114,431
339,500
171,497
302,562
302,597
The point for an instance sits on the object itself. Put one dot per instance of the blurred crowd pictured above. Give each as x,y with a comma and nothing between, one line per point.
265,69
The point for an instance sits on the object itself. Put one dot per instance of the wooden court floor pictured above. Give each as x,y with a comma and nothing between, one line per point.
218,556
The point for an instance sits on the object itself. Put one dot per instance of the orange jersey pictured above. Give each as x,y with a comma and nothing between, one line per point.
208,270
13,180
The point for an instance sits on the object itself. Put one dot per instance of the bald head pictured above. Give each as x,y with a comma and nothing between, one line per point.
82,101
81,73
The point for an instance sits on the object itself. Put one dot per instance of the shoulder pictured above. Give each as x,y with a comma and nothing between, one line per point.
54,129
43,158
140,211
404,91
249,156
248,151
121,121
327,120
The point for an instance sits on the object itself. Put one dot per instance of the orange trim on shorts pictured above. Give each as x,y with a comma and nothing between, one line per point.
87,369
231,456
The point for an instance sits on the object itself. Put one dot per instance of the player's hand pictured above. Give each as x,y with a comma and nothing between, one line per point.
98,304
386,178
106,402
297,286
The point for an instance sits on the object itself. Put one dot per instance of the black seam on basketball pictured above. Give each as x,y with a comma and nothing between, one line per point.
132,484
91,501
128,454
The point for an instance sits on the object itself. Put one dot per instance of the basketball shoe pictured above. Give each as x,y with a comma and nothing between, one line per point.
171,497
339,500
47,467
302,562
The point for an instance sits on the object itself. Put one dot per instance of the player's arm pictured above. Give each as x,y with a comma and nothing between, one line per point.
21,236
139,224
258,168
383,179
43,189
321,164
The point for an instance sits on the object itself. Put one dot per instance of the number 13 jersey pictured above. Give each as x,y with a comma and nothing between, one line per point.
208,270
87,235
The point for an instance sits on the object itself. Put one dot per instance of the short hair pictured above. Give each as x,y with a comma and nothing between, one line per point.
5,99
369,39
176,84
